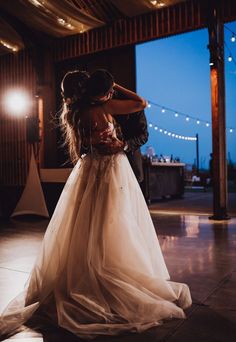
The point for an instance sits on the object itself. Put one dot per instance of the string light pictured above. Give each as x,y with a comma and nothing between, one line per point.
7,45
172,134
233,37
187,117
157,3
230,57
64,23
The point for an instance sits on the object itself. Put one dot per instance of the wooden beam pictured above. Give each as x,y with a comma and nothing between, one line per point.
216,47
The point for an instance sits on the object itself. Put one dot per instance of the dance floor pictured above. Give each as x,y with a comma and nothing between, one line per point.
197,251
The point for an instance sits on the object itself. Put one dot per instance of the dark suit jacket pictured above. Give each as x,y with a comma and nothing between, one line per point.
135,133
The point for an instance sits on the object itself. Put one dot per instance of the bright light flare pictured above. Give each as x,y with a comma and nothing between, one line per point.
17,102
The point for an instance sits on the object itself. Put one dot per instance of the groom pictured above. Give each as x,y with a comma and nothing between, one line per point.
135,134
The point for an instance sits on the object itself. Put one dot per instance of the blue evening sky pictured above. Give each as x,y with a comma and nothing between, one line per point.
174,73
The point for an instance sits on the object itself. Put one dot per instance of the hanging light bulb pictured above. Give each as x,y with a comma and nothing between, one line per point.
207,124
231,130
198,122
150,125
161,130
160,4
163,110
176,114
233,38
165,132
230,58
156,128
149,105
187,118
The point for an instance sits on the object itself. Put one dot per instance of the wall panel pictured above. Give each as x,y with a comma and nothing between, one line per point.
16,72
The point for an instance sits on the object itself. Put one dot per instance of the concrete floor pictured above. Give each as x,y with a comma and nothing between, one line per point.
197,251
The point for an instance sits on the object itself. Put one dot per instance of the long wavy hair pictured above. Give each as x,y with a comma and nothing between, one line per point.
78,89
73,87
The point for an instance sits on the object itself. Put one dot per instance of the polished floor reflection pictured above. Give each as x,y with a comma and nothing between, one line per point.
197,251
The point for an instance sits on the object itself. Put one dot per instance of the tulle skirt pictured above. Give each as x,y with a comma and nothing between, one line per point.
100,269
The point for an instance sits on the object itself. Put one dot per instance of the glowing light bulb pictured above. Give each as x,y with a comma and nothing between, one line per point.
17,102
150,125
61,21
149,105
207,124
233,38
163,110
230,58
231,130
161,130
69,26
198,122
156,128
187,118
176,115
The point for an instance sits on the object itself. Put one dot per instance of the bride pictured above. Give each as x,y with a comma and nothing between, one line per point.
100,270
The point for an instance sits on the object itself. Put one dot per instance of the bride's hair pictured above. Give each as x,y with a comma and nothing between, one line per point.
78,91
73,87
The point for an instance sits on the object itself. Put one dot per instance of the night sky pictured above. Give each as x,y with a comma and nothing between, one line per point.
174,73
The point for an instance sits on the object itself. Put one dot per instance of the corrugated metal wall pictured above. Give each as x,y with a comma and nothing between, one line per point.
16,72
183,17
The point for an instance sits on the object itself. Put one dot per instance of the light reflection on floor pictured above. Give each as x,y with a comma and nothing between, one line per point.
197,251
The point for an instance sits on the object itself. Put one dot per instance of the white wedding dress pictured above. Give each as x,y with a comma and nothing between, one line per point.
100,270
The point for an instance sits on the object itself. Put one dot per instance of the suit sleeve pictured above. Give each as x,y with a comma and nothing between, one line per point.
141,137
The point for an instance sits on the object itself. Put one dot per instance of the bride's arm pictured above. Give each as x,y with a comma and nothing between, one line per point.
132,102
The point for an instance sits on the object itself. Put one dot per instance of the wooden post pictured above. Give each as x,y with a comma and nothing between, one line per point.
216,47
197,154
